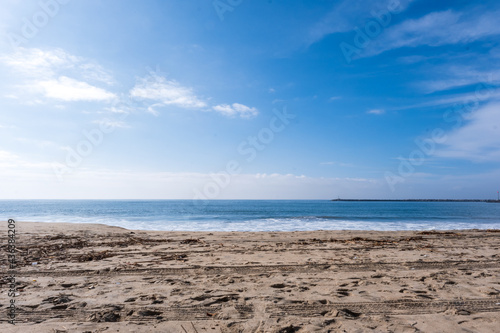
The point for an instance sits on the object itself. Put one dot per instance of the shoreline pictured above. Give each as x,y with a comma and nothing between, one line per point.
86,277
77,224
82,226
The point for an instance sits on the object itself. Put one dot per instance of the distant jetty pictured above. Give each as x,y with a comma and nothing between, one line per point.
420,200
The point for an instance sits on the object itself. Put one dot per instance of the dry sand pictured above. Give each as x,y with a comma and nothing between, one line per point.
96,278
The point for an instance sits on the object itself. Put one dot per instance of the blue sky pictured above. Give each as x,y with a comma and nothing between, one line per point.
262,99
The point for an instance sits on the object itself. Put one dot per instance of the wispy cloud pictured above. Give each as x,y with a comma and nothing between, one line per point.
39,64
164,92
151,109
67,89
347,14
376,111
37,181
334,98
484,94
338,164
412,59
478,140
43,144
94,72
236,109
455,76
118,109
7,156
55,74
435,29
110,123
13,164
168,92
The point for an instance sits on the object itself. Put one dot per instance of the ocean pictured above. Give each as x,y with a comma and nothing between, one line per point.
258,215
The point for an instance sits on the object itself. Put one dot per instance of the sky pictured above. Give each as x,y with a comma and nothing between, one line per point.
240,99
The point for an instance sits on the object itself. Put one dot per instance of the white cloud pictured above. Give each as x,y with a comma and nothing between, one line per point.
334,98
14,165
37,179
413,59
67,89
454,76
151,109
168,92
6,155
376,111
236,109
338,164
483,93
277,101
42,144
94,72
29,180
56,74
435,29
118,109
478,140
109,123
347,14
37,63
40,181
42,64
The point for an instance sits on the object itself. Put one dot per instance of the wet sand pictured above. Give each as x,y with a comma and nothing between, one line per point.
96,278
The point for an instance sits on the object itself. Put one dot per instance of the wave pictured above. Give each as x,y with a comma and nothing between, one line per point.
326,217
306,223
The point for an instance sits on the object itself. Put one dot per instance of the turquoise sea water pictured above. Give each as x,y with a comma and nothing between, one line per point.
258,215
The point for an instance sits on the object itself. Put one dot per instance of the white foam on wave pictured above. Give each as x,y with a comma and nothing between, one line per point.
267,224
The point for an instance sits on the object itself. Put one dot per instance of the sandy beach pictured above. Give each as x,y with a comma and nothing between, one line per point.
97,278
